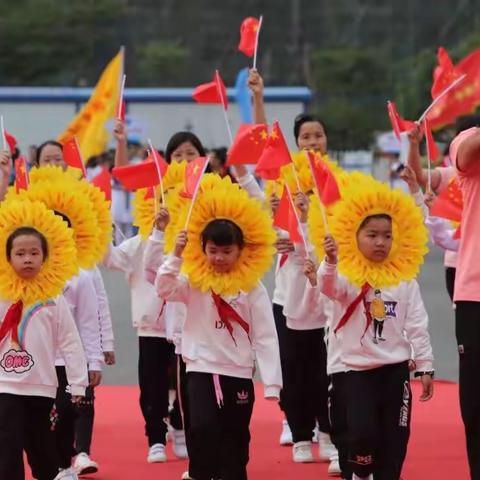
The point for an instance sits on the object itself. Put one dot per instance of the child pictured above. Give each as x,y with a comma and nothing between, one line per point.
31,332
223,332
376,388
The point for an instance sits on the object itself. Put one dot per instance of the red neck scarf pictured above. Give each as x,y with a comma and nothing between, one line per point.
351,308
283,259
228,315
11,321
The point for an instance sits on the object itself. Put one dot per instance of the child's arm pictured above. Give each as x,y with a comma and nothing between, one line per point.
121,257
248,182
121,152
86,313
408,175
442,234
169,284
265,342
153,255
255,83
106,328
416,330
71,348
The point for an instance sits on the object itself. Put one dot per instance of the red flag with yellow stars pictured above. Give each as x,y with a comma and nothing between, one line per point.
193,175
324,179
21,174
248,36
274,156
399,124
248,145
140,175
104,182
449,204
286,217
212,92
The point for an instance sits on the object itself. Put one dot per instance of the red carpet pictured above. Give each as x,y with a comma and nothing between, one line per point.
436,448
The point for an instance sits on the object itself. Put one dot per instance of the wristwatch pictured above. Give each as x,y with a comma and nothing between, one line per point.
421,374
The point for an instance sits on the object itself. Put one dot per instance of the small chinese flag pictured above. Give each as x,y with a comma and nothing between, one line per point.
324,179
449,204
274,156
140,175
72,156
193,175
248,145
399,125
286,217
248,36
104,182
21,174
160,162
432,148
212,92
11,140
444,73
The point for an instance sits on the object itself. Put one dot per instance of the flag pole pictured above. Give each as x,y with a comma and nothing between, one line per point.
159,173
295,174
84,170
4,137
429,163
227,122
194,196
297,218
256,42
437,99
322,206
120,98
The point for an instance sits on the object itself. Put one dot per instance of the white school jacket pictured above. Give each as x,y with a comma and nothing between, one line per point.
174,312
46,329
147,308
104,315
207,345
79,292
405,324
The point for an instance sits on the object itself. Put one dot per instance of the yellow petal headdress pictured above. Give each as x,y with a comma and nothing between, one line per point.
58,268
361,199
221,199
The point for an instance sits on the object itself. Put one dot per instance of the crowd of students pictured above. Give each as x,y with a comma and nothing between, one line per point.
335,346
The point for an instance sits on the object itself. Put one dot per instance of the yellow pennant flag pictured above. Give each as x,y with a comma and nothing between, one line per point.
88,126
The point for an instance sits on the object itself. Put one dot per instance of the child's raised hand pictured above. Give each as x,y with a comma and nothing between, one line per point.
408,175
284,245
181,243
274,203
428,198
119,131
255,82
427,388
301,202
162,219
310,271
415,135
330,246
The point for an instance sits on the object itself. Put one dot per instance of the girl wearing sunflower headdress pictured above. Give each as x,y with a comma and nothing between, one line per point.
228,325
379,320
38,257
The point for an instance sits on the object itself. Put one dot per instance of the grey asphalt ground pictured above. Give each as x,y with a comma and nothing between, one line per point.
432,283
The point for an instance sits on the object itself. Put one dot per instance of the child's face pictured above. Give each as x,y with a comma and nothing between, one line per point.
52,155
374,239
185,151
26,256
222,258
312,137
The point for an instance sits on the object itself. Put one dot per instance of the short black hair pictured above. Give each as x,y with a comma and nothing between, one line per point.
222,232
26,231
378,216
45,144
304,118
181,137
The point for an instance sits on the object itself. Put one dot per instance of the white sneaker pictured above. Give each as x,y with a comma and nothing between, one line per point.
354,477
83,464
157,454
334,469
67,474
302,452
326,449
186,476
179,444
316,434
286,435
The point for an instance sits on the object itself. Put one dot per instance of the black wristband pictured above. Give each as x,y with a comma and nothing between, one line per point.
421,374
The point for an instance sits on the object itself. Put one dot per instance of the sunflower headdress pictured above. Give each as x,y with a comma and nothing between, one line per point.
143,203
360,200
226,201
60,264
67,199
99,204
